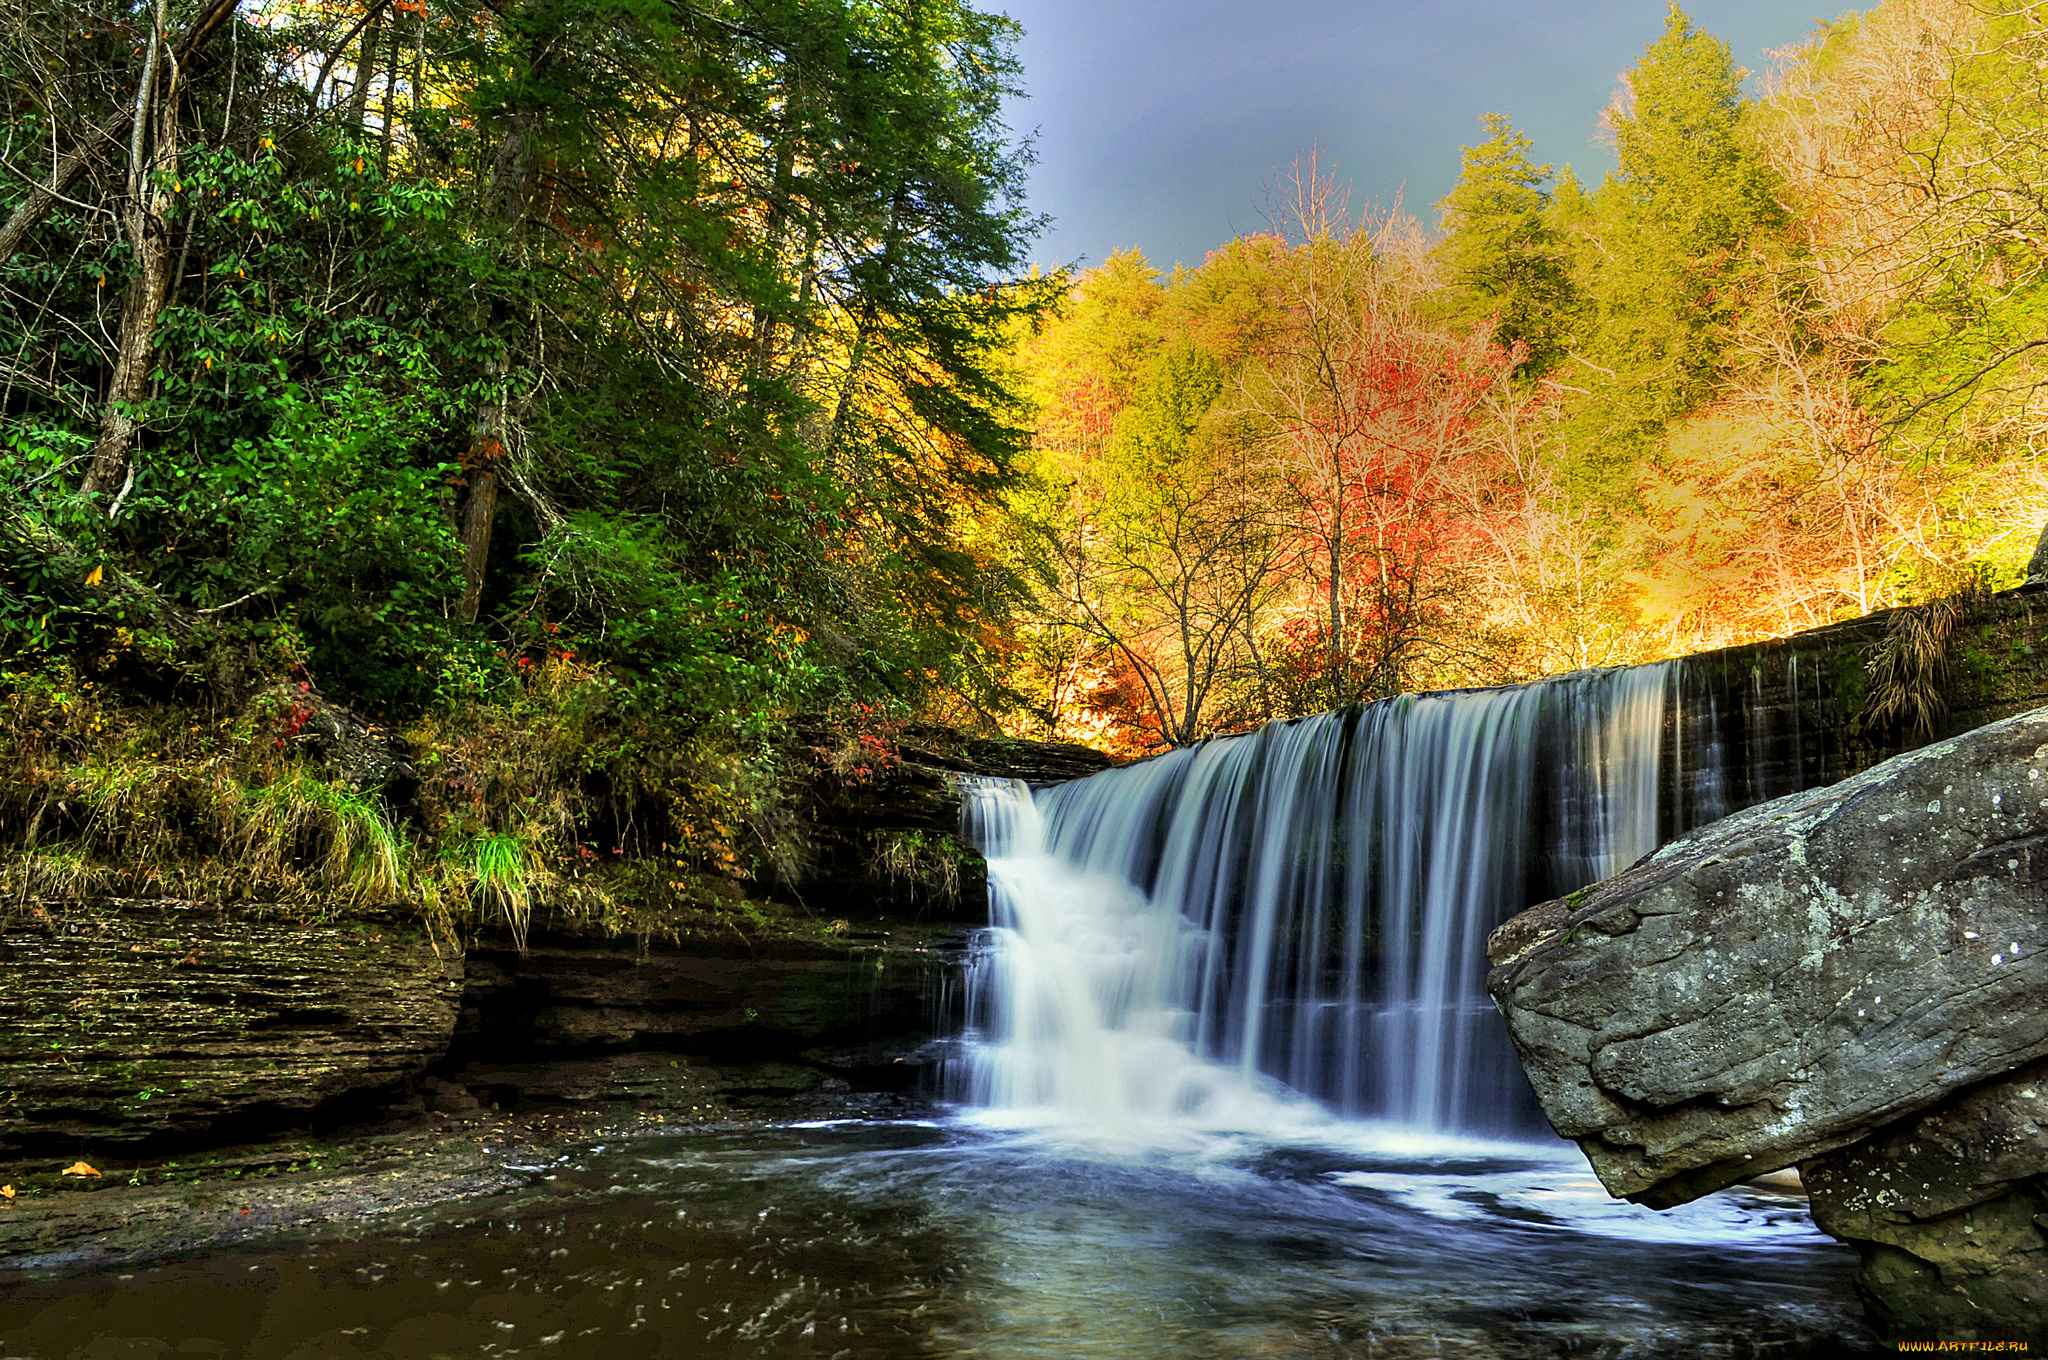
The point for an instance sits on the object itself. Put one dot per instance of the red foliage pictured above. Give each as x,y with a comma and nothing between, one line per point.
1388,482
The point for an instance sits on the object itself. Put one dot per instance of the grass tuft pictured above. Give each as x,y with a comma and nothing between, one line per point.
339,835
1911,664
501,867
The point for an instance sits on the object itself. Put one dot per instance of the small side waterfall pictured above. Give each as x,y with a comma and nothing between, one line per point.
1302,911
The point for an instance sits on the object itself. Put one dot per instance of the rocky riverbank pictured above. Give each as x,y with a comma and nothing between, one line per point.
328,1062
131,1027
229,1075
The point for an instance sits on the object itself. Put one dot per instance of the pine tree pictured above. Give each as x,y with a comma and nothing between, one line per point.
1502,252
1681,222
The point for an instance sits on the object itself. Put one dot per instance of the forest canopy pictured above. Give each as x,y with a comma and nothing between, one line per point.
1785,365
419,336
410,346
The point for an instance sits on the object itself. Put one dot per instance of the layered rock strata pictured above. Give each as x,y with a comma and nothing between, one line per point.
913,798
857,1008
132,1022
1949,1209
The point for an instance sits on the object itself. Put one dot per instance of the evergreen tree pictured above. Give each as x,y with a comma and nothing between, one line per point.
1681,222
1502,252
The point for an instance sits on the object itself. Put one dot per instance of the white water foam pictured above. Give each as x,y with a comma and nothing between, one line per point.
1572,1200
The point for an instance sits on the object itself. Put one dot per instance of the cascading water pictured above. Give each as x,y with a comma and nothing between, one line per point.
1217,933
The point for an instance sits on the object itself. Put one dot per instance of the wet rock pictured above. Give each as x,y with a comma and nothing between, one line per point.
140,1022
445,1097
884,839
351,748
1792,979
765,1002
1949,1209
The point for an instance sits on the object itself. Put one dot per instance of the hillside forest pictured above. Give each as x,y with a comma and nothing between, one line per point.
636,411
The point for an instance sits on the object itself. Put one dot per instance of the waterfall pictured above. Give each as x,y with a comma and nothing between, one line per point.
1301,913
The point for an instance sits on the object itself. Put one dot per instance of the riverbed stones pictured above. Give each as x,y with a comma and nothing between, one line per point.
1794,978
1949,1210
132,1023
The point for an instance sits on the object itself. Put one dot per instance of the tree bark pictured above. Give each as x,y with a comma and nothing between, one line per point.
145,222
780,194
512,190
864,330
479,506
366,70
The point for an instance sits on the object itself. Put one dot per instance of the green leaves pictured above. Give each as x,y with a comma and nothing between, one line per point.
1503,251
1681,224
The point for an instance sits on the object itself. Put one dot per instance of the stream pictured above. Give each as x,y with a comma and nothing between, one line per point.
959,1236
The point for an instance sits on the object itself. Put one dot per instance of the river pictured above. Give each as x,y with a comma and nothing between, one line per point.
958,1237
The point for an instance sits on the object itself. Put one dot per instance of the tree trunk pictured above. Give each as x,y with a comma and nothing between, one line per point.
512,190
145,222
778,225
1336,640
480,505
384,135
864,330
366,71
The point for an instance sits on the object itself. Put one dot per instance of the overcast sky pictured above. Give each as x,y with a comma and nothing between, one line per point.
1160,125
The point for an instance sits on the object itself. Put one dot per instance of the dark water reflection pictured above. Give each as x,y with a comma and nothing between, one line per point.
864,1240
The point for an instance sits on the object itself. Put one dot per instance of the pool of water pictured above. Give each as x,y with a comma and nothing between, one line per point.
958,1238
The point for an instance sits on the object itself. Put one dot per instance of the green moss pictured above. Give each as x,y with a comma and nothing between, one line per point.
1980,672
1850,685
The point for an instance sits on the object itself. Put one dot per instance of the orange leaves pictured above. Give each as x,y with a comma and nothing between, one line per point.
6,1192
92,578
78,1169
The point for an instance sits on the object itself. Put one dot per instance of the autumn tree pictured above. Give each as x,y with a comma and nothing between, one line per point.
1173,556
1369,413
1911,141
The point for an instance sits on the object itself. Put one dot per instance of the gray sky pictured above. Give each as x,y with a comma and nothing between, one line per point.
1161,125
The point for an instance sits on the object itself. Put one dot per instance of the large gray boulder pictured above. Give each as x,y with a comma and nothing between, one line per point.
1790,980
1948,1209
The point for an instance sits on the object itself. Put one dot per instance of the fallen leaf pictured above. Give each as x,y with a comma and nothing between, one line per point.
7,1190
79,1169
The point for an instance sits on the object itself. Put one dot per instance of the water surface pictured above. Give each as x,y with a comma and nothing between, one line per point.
957,1238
